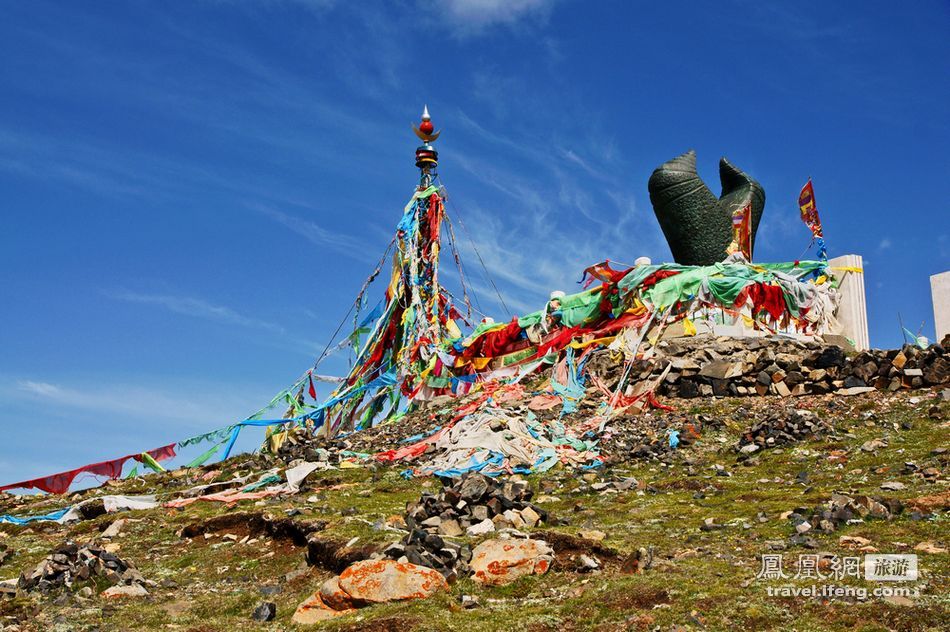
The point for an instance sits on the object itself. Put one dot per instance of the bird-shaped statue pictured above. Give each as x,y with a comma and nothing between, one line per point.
697,225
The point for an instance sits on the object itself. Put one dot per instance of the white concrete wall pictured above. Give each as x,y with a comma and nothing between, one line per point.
940,292
852,312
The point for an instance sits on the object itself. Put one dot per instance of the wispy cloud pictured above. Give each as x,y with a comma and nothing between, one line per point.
96,418
317,234
125,400
530,252
314,5
884,245
470,17
549,223
196,307
200,308
115,171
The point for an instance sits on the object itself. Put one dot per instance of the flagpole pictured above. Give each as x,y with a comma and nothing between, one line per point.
810,244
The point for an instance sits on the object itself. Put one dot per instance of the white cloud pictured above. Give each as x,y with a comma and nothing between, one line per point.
549,223
473,16
99,417
314,5
196,307
134,402
317,234
530,251
885,244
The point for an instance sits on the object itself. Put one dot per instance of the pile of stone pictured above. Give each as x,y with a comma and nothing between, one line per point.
780,427
473,505
431,550
300,445
643,436
704,366
909,367
837,512
71,563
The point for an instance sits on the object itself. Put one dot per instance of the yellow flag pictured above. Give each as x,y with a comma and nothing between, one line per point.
689,328
453,329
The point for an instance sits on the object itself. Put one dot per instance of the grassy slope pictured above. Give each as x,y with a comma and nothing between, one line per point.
699,579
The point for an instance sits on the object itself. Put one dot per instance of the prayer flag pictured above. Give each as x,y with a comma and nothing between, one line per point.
742,232
602,272
689,328
918,341
806,202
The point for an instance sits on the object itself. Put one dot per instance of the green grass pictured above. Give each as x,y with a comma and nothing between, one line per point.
699,578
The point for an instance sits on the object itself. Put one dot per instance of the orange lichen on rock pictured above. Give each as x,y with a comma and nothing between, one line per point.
368,582
314,610
379,581
499,562
931,503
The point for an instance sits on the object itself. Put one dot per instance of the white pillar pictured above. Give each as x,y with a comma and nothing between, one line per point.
940,292
852,312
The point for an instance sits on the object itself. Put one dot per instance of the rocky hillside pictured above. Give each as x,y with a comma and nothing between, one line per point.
777,465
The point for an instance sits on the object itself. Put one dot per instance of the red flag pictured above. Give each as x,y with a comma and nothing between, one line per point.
313,389
742,232
162,453
602,272
806,202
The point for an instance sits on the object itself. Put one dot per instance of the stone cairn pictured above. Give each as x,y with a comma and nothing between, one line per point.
71,563
840,510
704,366
473,505
781,427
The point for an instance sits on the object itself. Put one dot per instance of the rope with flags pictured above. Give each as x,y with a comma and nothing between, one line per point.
409,348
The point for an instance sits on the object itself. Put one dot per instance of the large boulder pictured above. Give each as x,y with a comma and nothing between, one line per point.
379,581
334,596
314,610
500,562
368,582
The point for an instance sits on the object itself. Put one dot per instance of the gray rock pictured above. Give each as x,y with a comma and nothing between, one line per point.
721,370
481,528
892,486
450,528
134,590
473,487
586,564
267,611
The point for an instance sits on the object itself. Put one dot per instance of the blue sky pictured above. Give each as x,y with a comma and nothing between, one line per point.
193,192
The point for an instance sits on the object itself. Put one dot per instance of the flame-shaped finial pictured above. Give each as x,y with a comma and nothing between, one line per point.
426,130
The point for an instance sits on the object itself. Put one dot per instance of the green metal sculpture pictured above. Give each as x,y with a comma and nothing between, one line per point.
697,225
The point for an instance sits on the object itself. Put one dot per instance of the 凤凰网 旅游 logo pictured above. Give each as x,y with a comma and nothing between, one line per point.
890,568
